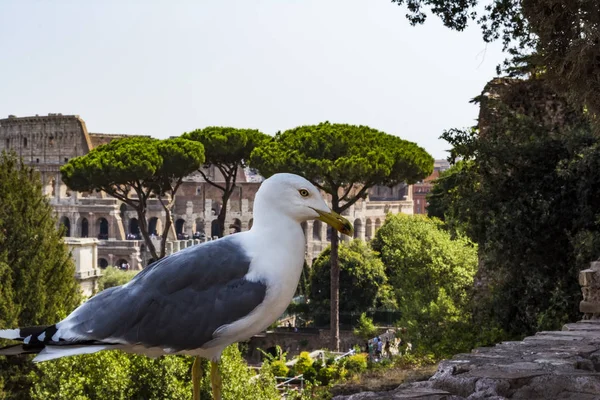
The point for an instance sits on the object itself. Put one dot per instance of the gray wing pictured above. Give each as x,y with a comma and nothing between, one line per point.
177,302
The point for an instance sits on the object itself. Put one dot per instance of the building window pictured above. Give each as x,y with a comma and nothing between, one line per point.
37,160
7,143
24,142
66,159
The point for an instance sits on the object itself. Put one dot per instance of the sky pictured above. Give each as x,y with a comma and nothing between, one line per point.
162,68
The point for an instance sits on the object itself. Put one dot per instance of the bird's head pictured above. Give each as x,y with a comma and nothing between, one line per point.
301,200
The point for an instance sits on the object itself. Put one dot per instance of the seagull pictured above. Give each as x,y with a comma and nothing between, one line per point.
199,300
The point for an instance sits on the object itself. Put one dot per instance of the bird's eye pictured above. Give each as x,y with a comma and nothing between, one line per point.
303,192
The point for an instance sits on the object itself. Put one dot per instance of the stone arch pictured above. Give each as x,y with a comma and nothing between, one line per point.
214,228
317,228
357,228
85,228
369,229
236,226
199,225
102,228
180,226
377,225
103,263
134,226
122,210
64,221
250,223
153,226
121,262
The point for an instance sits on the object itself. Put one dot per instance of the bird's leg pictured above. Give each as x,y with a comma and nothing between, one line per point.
197,376
215,380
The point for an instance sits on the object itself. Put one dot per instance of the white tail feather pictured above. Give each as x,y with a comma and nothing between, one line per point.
53,352
11,334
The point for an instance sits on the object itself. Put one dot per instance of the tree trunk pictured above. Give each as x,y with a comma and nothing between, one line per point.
223,214
335,286
143,224
165,233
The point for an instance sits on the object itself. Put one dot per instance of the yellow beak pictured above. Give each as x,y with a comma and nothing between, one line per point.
336,221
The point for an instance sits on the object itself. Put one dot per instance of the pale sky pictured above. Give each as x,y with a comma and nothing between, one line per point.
162,68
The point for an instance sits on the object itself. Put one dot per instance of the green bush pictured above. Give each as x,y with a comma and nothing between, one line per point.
356,364
115,375
278,368
432,275
304,362
365,329
112,276
326,375
310,375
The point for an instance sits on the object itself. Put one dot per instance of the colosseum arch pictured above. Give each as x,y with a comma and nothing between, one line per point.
180,226
85,227
102,228
134,226
154,226
103,263
64,221
357,228
369,229
317,229
236,226
199,225
214,228
377,225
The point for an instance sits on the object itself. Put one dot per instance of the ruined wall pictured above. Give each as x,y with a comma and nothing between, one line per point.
51,140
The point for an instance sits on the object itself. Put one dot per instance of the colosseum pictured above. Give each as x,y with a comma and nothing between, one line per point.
48,142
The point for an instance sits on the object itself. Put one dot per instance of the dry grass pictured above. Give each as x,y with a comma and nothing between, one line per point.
383,379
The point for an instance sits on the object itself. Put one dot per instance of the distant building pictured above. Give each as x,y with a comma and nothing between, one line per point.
85,254
421,189
48,142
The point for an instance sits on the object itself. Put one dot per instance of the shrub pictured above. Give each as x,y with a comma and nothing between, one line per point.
356,364
304,362
327,374
278,368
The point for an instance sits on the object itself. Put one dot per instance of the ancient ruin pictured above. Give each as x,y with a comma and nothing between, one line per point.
48,142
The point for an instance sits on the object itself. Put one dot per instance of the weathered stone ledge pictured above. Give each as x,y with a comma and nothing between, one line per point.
550,365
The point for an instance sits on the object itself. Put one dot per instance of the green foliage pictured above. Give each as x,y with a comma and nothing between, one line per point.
278,368
114,277
365,329
362,276
326,375
37,275
226,146
356,363
345,161
139,166
431,275
228,150
238,381
526,193
304,362
116,375
335,156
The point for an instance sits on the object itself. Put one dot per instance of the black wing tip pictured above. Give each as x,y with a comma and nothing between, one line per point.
19,349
